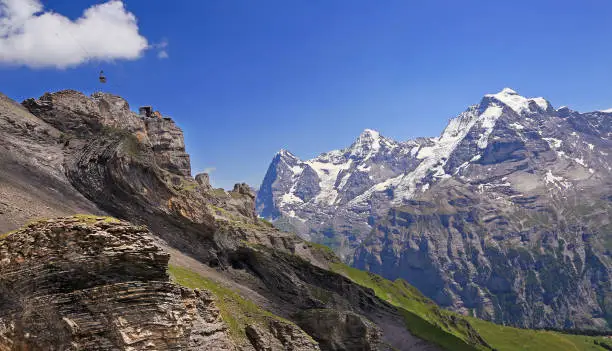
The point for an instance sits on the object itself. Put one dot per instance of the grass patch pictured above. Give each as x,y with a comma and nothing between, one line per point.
5,235
266,223
508,338
236,311
85,218
325,251
90,219
219,192
188,185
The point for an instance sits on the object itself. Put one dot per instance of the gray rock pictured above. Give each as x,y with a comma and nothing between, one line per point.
337,330
88,294
203,179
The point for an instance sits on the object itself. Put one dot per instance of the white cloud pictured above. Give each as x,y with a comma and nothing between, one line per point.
33,37
162,53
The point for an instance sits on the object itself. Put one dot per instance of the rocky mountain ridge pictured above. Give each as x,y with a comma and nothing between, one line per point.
67,153
236,282
478,218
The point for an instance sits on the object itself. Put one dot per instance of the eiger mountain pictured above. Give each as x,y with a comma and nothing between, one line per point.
505,216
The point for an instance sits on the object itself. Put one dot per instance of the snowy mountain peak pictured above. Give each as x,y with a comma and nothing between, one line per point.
285,153
508,91
286,156
367,144
518,103
369,133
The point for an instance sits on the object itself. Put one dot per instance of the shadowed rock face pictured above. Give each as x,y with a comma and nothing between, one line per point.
32,180
341,330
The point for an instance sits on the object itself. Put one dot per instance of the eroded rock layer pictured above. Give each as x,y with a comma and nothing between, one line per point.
91,283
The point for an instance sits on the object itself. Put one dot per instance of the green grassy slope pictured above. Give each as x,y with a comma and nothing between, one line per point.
507,338
424,317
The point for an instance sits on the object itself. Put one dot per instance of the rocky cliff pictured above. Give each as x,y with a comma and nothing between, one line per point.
93,155
505,216
85,283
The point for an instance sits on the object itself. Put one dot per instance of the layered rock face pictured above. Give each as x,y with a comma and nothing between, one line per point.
32,180
133,167
72,112
168,145
85,283
95,283
504,216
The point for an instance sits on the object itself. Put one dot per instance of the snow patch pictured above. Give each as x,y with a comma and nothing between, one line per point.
517,126
487,121
290,198
518,103
580,162
364,168
328,173
553,142
557,181
297,170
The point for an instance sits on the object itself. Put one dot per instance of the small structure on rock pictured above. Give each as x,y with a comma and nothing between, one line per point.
145,111
148,112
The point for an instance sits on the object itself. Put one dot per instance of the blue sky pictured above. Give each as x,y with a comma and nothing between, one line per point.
246,78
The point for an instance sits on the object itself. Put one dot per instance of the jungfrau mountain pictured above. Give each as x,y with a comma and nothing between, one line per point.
504,216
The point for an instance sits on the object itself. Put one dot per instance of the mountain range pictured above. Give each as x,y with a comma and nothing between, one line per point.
108,243
504,216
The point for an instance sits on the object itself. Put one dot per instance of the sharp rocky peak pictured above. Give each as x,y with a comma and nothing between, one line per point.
286,154
286,157
369,134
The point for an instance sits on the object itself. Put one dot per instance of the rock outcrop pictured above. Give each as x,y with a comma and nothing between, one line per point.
341,330
84,283
96,283
74,113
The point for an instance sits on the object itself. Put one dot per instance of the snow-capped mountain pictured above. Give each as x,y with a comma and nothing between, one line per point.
510,172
